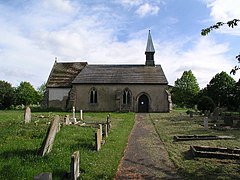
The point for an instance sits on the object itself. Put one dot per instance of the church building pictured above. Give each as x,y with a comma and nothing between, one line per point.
109,88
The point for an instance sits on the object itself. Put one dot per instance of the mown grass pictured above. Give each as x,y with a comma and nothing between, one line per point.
20,142
176,123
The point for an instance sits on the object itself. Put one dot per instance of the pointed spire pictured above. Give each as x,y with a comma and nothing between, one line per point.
149,51
150,47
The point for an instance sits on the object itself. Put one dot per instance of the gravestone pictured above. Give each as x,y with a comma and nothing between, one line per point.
27,114
81,114
191,114
106,131
205,121
216,114
43,176
100,127
47,144
75,172
97,140
73,120
108,123
66,119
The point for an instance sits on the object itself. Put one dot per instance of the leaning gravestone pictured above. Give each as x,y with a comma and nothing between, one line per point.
75,173
47,144
27,115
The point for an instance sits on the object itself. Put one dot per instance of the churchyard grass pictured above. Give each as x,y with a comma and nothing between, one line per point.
19,143
171,124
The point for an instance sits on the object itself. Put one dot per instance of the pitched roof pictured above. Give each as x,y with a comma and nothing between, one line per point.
63,74
121,74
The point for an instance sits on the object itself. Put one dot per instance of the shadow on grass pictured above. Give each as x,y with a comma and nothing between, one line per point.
206,172
89,146
20,153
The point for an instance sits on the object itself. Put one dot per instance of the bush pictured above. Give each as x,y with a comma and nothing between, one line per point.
205,103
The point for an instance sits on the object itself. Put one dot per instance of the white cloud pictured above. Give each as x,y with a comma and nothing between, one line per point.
129,3
142,7
224,11
205,59
147,8
63,6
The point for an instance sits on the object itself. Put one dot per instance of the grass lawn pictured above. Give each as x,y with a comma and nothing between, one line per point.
170,124
19,144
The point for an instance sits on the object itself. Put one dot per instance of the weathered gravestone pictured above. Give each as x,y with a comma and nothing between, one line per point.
106,130
27,114
75,172
108,123
205,122
47,144
66,120
73,120
81,114
101,130
43,176
97,140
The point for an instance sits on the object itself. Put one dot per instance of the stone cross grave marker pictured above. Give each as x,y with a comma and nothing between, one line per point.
47,144
27,115
75,172
73,120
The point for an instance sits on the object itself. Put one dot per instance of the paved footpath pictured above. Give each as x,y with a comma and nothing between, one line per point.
145,156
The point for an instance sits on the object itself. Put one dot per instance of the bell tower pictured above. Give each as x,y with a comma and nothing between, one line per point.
149,51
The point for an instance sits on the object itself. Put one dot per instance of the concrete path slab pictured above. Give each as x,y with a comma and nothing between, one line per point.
145,156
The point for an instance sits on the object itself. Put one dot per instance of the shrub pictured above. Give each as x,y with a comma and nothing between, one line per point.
205,103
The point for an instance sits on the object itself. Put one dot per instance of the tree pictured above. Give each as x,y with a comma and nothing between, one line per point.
221,89
7,95
26,94
41,90
231,24
185,90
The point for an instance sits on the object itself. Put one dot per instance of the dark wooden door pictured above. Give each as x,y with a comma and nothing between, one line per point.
143,104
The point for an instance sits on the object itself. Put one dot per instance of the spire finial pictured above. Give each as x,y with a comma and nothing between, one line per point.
150,47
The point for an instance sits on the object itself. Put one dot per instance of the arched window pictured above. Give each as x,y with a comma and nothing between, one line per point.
93,95
126,96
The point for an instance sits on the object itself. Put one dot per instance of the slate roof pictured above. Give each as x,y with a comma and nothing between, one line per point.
121,74
63,74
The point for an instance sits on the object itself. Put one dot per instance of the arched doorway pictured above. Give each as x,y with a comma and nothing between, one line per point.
143,104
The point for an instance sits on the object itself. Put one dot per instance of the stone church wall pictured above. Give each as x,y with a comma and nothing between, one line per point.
110,98
58,98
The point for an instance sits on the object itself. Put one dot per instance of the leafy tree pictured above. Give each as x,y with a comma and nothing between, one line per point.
205,103
230,24
41,90
26,94
221,89
185,90
7,95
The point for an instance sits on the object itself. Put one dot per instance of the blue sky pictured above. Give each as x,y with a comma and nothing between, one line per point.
33,33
